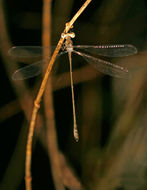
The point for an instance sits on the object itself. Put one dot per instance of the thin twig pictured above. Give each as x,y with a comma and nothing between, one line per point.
39,96
52,146
60,16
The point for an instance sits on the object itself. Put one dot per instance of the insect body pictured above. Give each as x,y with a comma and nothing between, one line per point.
101,65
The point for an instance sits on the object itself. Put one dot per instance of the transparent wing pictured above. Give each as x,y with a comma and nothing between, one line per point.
119,50
31,70
105,66
18,52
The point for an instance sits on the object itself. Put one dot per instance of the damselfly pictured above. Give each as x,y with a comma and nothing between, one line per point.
119,50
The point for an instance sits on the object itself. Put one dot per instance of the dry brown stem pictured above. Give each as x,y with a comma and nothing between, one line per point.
39,96
48,103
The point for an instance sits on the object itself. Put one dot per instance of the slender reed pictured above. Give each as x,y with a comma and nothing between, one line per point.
52,146
39,96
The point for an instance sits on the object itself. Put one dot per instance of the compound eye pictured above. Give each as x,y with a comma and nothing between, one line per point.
72,35
63,35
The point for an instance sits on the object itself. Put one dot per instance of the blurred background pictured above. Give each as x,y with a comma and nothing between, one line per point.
111,113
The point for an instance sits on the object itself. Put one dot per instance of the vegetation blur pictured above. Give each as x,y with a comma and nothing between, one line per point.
111,112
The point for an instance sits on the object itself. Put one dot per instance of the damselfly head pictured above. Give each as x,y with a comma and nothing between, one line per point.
66,35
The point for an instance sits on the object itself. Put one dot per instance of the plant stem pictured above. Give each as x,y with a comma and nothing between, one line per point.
39,96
